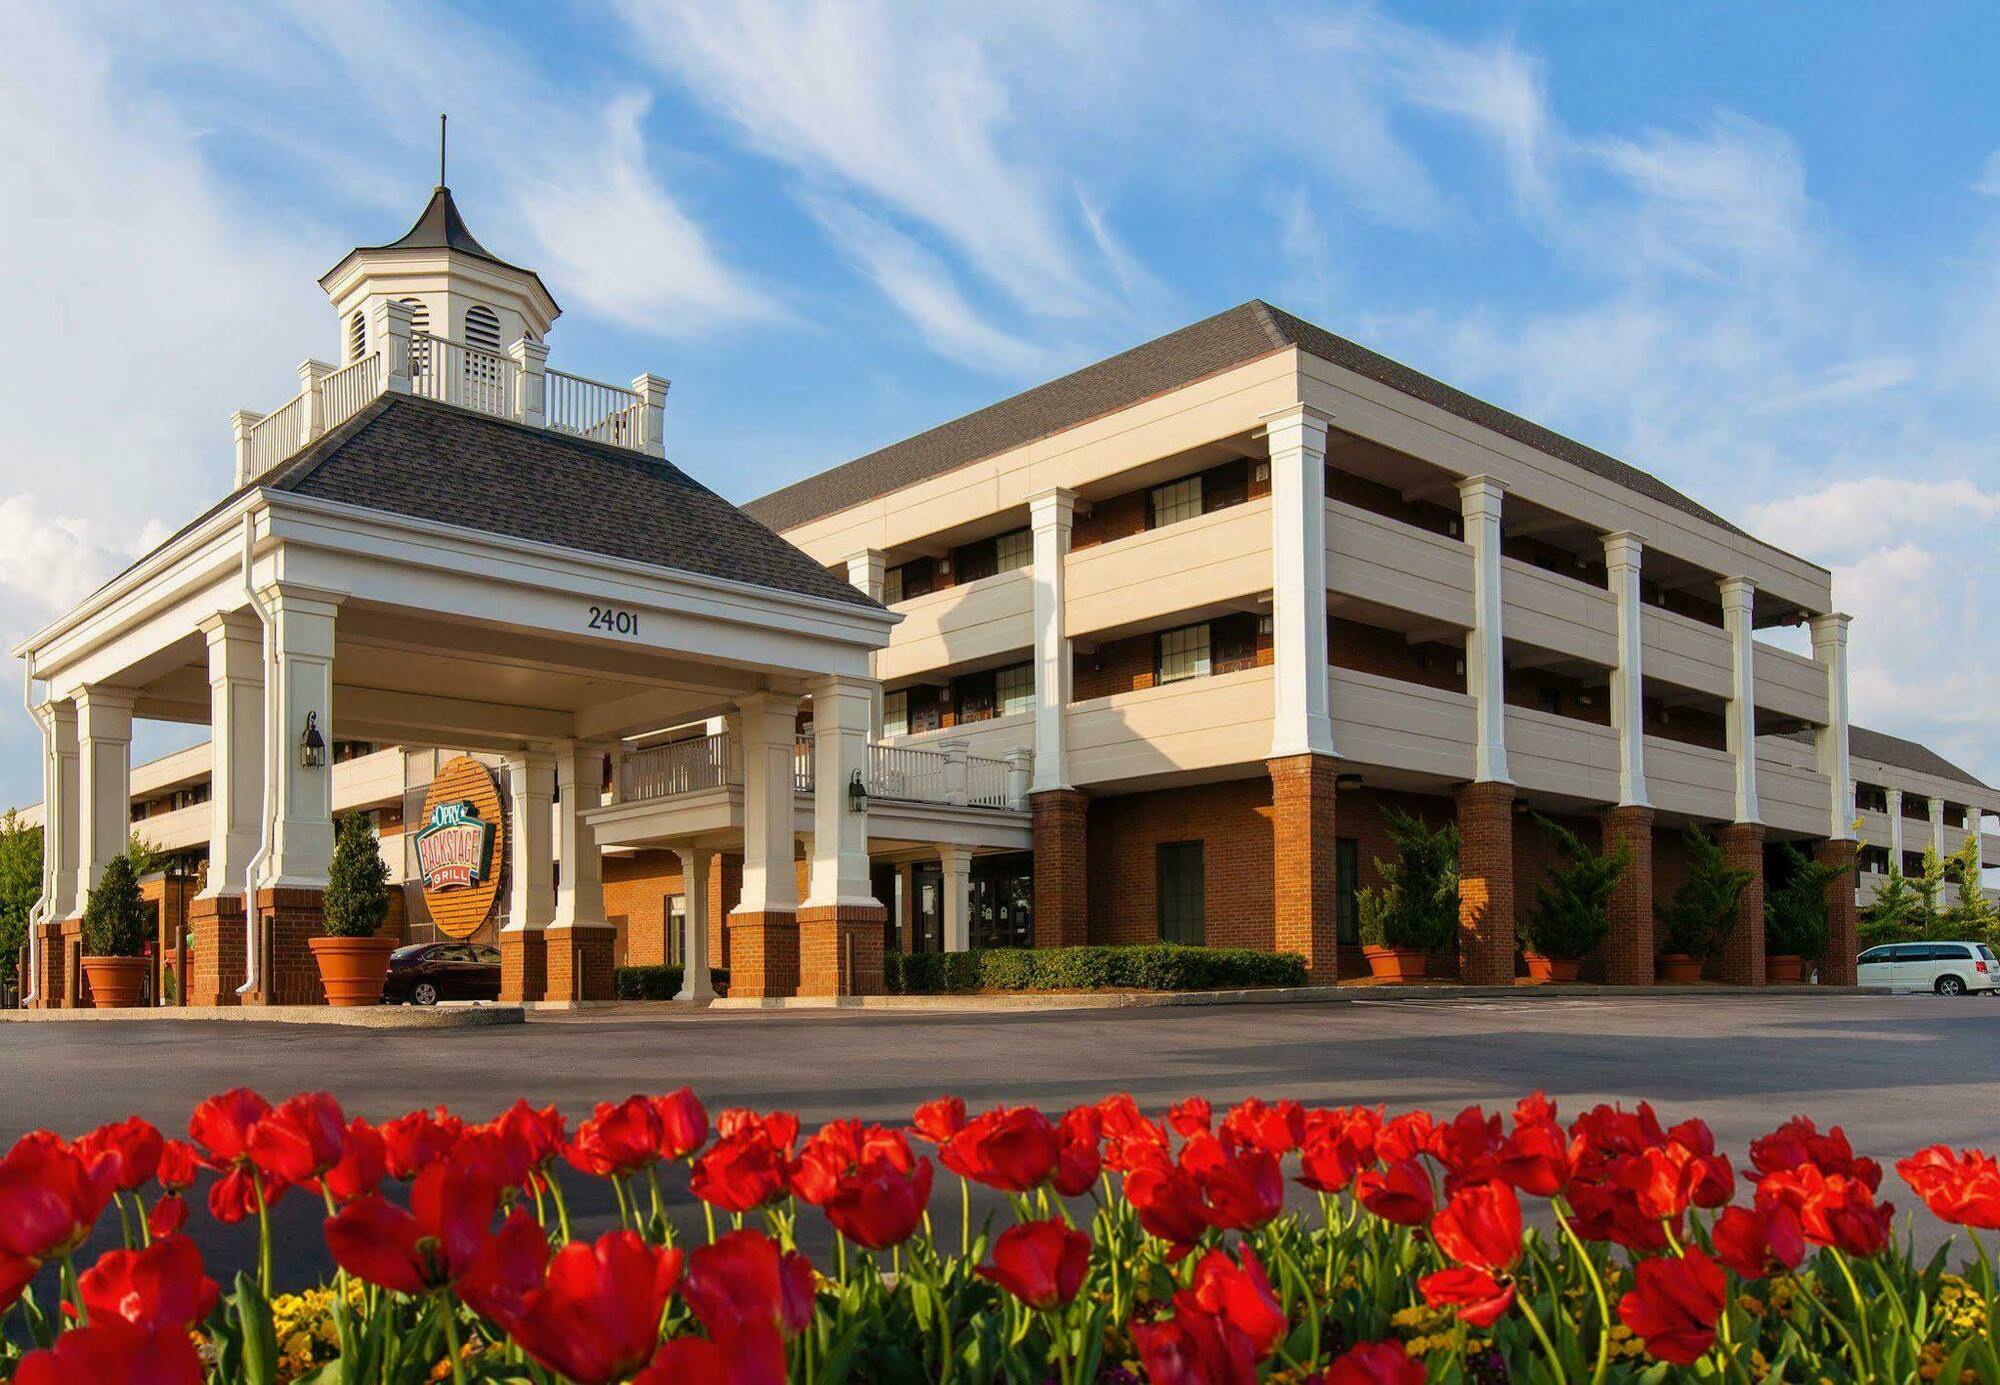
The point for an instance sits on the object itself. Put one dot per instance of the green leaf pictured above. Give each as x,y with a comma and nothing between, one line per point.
259,1336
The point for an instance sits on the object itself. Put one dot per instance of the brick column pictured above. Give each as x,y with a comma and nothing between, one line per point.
1628,948
1836,968
840,920
54,993
215,949
579,963
1304,891
524,964
840,950
764,954
76,985
1486,884
1062,917
725,888
291,916
1743,947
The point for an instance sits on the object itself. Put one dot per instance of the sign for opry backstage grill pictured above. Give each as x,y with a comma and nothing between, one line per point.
460,846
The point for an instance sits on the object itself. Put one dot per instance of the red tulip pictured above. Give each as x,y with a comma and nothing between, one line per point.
1674,1304
1481,1227
1241,1296
509,1266
781,1128
683,1123
1607,1212
1042,1263
521,1142
300,1139
179,1163
880,1205
1964,1190
1011,1148
741,1172
1760,1241
364,1163
114,1352
1130,1138
1535,1109
221,1125
742,1282
1193,1116
1168,1201
1241,1189
134,1146
415,1141
841,1147
1798,1141
1479,1296
161,1286
1375,1363
1338,1144
939,1120
50,1197
16,1273
1407,1136
1194,1348
168,1216
1400,1193
1275,1129
1535,1159
1469,1148
618,1140
596,1316
1605,1135
737,1356
1079,1156
425,1248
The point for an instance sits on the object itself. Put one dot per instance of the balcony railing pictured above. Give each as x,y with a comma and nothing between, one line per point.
896,773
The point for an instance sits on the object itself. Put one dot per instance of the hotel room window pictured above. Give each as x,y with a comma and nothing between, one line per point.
1181,653
1014,689
972,693
1015,550
1174,502
677,916
972,561
1233,642
1181,893
896,713
892,586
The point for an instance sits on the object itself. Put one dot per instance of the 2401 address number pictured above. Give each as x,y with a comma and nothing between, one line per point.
614,619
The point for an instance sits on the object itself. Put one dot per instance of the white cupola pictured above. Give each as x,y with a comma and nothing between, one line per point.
454,286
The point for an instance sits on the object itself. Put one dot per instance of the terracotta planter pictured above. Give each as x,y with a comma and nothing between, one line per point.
1784,969
1679,968
1395,963
1542,968
352,969
115,982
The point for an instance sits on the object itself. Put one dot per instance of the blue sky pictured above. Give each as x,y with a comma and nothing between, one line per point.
1752,248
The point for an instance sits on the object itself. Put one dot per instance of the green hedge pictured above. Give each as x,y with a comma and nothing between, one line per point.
1144,967
658,983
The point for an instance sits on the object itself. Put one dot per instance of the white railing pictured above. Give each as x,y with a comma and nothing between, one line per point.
348,390
592,409
276,436
469,376
986,782
661,771
916,776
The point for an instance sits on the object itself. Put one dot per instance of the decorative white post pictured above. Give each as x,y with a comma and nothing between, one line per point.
652,392
531,897
312,416
1480,499
1020,777
696,983
62,822
531,362
1622,552
839,877
956,786
302,623
104,811
769,884
389,326
1829,641
241,424
1937,826
956,862
236,747
1050,516
1896,830
867,572
1739,595
580,887
1302,720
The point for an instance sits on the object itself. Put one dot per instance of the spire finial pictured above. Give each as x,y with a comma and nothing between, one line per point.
441,120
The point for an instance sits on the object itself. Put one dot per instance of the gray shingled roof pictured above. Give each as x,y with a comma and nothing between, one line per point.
1206,348
1894,751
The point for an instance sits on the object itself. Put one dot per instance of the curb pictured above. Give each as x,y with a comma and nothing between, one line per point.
359,1017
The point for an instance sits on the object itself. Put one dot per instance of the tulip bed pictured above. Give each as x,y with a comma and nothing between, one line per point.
1483,1247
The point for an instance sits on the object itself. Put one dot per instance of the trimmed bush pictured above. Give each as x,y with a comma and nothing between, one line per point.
357,883
115,919
1142,967
659,983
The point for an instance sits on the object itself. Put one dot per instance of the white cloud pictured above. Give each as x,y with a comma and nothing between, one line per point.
1873,514
1988,181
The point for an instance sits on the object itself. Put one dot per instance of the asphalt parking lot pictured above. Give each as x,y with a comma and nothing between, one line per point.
1896,1071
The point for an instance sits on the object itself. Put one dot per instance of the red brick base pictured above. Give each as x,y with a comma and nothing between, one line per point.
524,965
579,962
53,992
1742,959
1837,967
215,949
76,985
840,950
1305,907
1062,912
291,917
764,954
1628,947
1486,884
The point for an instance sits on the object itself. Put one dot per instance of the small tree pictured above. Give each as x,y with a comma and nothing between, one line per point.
1796,920
1416,905
1572,909
357,883
20,886
1696,920
1971,915
1894,915
115,918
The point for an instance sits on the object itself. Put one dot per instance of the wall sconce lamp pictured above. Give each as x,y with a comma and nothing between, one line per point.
312,748
857,794
1345,782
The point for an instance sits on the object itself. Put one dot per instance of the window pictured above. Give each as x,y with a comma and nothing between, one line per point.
482,328
914,578
1001,901
1233,642
1874,955
1174,502
973,696
1181,653
1346,890
357,336
1014,689
892,586
926,709
896,713
1015,550
677,914
972,561
1180,897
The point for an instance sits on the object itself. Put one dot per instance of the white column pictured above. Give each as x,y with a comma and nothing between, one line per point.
1896,829
1829,641
696,983
580,887
531,894
769,722
652,392
236,747
867,572
302,623
1302,722
957,864
839,877
241,422
1622,552
1974,819
1937,826
62,824
389,324
531,359
1050,515
1738,596
104,809
1480,499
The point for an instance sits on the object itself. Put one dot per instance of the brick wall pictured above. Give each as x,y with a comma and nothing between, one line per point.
637,891
1064,890
1116,517
1232,821
1379,499
1486,893
291,917
840,950
1306,917
1837,967
1116,666
1388,654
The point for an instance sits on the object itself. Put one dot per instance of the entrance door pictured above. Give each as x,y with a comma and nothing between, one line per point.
927,915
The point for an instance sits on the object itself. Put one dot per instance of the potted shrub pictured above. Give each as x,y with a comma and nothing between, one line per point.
1796,925
1693,924
1414,911
115,922
1572,908
353,960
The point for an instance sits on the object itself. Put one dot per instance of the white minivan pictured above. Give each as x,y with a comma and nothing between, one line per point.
1946,968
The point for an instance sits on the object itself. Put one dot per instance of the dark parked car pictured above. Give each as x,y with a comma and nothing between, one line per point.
425,973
